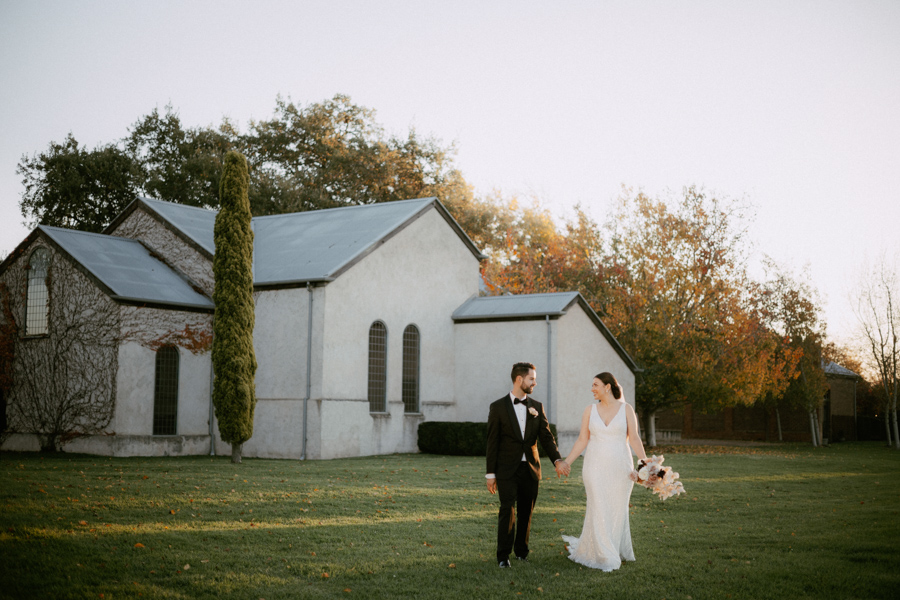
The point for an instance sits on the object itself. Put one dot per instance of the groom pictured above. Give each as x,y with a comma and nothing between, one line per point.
515,423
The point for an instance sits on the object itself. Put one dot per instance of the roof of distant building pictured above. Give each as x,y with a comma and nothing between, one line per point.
836,370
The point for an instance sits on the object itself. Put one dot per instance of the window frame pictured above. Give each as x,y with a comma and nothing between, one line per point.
165,410
377,368
31,303
411,369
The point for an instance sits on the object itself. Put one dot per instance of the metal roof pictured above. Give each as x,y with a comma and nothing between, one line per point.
318,245
307,246
512,307
127,268
196,223
835,369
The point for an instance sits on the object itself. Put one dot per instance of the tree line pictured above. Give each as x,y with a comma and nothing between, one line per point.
669,276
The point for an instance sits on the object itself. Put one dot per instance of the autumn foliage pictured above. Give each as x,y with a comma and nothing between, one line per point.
669,278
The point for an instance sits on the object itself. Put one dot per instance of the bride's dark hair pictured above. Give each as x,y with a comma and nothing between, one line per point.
607,378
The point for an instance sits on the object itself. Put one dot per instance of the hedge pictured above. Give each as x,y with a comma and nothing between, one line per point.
458,438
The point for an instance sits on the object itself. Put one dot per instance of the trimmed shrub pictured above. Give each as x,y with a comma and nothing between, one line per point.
458,438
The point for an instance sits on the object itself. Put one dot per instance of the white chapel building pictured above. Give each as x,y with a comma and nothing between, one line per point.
369,321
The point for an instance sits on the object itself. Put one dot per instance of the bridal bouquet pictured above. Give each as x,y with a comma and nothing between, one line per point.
662,481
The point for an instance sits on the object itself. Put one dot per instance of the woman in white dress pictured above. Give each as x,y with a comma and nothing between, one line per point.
608,428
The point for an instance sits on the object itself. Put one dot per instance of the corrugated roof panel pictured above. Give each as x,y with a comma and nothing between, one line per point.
196,223
127,268
833,368
507,307
315,245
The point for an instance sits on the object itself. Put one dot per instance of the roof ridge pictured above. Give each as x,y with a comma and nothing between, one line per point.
105,236
178,204
336,208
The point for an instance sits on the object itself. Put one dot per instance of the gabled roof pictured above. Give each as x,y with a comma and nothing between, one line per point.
311,246
535,306
835,370
192,224
127,269
525,306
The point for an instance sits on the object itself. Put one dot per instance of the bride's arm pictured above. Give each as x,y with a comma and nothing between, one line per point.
633,434
583,436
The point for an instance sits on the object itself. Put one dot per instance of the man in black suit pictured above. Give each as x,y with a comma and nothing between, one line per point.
515,424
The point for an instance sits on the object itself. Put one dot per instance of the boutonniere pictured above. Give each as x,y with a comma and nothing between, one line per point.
532,411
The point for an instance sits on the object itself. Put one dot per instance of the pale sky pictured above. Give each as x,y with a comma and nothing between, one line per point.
793,107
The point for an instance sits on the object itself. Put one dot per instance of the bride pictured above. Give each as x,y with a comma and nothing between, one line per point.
608,428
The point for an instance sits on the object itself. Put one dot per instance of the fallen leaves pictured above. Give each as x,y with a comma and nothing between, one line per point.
139,545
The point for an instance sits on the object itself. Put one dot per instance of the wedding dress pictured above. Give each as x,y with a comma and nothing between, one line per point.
606,536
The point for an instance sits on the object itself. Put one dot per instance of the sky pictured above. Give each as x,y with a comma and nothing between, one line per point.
791,108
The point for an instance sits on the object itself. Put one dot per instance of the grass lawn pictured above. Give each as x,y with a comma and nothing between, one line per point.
786,521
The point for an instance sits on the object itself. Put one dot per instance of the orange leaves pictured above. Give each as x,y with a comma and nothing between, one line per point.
139,545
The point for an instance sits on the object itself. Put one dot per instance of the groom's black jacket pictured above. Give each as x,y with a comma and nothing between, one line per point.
505,444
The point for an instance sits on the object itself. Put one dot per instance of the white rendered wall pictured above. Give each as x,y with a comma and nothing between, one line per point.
485,354
419,276
583,352
135,388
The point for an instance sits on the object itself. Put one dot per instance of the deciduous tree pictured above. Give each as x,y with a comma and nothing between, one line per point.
679,303
791,310
69,186
876,302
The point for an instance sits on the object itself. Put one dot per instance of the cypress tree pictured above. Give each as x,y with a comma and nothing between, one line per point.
234,362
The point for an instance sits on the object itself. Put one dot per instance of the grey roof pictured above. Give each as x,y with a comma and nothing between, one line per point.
320,244
535,306
513,307
837,370
196,223
307,246
127,268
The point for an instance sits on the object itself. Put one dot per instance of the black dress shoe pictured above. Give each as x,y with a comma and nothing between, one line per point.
504,564
523,558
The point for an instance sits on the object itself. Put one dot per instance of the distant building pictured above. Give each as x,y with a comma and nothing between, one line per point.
368,322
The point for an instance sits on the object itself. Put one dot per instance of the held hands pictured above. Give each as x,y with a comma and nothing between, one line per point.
562,468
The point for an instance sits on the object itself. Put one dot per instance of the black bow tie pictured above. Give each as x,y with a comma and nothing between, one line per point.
517,401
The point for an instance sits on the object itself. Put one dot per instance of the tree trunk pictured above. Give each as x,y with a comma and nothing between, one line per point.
236,453
651,429
812,428
823,441
887,427
896,433
778,422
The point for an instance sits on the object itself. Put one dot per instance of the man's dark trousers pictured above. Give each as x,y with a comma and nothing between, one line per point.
518,492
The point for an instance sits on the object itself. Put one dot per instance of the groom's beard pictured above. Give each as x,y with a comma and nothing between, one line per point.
528,390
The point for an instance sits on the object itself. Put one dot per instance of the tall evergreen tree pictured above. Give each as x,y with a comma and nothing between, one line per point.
234,362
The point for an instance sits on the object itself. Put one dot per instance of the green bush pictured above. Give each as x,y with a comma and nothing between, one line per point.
458,438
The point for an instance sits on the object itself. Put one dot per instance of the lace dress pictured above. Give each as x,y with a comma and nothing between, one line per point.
606,536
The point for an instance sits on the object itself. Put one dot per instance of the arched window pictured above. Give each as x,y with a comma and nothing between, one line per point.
377,367
37,305
411,369
165,391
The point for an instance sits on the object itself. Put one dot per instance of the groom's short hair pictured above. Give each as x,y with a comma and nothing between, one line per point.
520,369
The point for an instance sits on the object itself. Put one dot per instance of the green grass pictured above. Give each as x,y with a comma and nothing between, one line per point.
785,521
